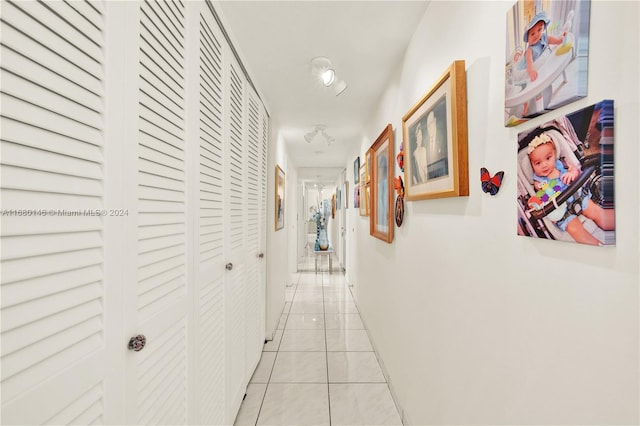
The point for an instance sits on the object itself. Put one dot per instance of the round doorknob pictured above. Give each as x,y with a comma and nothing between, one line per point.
228,266
260,255
137,343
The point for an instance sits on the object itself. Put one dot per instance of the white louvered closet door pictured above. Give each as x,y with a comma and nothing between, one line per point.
235,237
207,86
53,288
158,377
254,256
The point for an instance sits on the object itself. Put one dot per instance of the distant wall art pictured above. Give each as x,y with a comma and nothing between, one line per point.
566,178
279,199
547,56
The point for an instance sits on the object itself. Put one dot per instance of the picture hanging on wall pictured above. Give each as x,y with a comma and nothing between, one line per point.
356,196
364,194
547,57
279,201
338,198
346,194
566,178
356,171
382,167
435,140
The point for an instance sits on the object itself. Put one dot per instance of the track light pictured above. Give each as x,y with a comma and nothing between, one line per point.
321,69
328,77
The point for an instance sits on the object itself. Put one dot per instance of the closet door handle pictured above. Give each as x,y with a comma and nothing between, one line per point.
137,343
228,266
260,255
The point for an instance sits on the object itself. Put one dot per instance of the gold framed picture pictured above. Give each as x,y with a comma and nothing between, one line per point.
279,199
382,167
435,140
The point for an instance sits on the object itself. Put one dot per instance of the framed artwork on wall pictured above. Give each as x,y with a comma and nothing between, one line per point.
435,140
547,57
382,167
364,195
279,201
356,171
346,194
566,178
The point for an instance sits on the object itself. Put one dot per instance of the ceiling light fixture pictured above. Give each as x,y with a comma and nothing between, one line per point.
328,77
321,69
320,128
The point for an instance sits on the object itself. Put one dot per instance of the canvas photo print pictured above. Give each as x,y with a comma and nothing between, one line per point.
547,55
566,178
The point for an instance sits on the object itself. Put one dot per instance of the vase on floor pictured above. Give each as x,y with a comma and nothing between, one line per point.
323,240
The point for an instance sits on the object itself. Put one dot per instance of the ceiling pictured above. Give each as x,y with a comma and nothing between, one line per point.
365,41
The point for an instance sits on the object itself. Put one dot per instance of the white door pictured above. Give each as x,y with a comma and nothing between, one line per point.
54,289
156,391
209,342
235,239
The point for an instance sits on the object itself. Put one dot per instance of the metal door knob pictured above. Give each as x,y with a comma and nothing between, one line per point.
260,255
228,266
137,343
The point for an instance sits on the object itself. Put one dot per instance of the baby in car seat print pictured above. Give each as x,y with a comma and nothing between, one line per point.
550,178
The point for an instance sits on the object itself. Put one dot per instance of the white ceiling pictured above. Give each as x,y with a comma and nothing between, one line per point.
365,41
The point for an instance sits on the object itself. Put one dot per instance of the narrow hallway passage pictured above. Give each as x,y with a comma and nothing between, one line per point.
320,369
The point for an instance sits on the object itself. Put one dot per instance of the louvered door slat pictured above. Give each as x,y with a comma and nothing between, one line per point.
83,31
43,138
36,180
89,10
18,155
40,54
35,93
83,410
38,22
43,76
23,291
51,267
53,120
87,41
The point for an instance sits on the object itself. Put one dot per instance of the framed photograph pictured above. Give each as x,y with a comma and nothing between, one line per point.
356,196
367,165
333,206
547,57
566,178
338,198
279,205
364,191
382,155
435,140
356,171
346,194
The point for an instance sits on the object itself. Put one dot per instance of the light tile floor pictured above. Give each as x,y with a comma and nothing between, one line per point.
320,368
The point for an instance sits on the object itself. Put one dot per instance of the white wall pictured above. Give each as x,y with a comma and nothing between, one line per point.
277,241
473,324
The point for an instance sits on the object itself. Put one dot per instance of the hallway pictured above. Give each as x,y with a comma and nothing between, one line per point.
320,368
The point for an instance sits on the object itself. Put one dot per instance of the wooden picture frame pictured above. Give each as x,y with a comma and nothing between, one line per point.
279,199
364,194
382,167
346,194
434,132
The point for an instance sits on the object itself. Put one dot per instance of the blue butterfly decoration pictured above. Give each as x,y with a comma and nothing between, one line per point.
490,184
